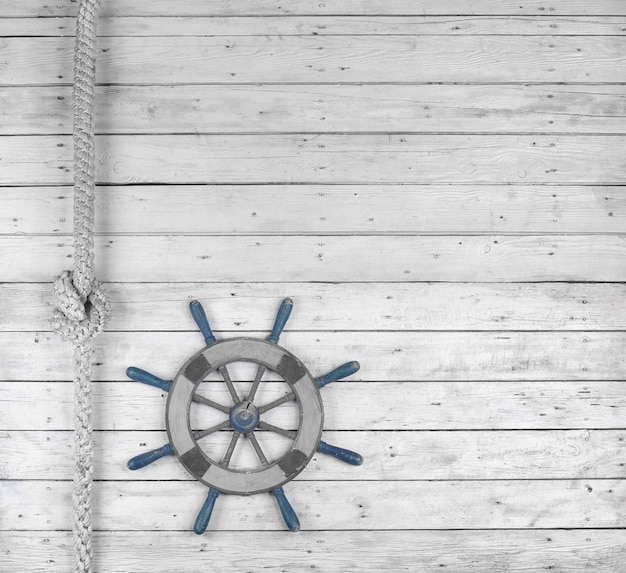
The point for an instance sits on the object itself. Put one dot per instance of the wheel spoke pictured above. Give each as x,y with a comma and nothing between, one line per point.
271,428
257,449
276,403
203,433
207,402
257,381
229,384
231,449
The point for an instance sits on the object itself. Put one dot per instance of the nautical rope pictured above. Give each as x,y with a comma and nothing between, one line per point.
82,309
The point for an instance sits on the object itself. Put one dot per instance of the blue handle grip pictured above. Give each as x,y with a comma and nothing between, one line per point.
338,373
197,311
146,378
202,521
281,320
145,459
347,456
289,515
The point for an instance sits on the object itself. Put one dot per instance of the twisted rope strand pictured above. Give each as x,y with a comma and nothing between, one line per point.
82,309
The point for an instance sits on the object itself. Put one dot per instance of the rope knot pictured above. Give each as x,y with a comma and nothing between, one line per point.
76,317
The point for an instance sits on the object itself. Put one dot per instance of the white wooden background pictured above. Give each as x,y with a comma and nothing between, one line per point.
437,184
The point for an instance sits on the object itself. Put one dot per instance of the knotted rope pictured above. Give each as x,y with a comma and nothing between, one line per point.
82,307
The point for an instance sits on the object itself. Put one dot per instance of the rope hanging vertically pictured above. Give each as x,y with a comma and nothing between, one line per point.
82,308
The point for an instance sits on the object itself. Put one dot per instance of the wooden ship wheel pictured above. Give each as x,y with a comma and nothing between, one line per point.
244,417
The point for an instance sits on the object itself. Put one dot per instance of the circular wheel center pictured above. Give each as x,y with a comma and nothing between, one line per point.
244,417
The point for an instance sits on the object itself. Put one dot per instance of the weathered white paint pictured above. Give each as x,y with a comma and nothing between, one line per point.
320,26
391,355
254,59
334,505
391,456
343,166
334,7
324,209
324,158
322,108
284,259
363,406
241,307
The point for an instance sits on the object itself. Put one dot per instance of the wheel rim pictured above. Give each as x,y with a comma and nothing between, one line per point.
245,417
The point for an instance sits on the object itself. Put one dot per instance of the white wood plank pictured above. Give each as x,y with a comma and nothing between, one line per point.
324,158
319,59
166,506
349,406
241,307
394,355
334,7
514,551
389,456
321,25
322,108
175,258
323,209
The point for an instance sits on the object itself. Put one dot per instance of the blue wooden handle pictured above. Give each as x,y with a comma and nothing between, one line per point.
197,311
289,515
281,319
338,373
146,378
347,456
145,459
202,521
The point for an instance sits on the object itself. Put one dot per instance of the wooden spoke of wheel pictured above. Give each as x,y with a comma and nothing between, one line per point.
231,449
257,380
271,428
229,384
276,403
207,402
257,449
203,433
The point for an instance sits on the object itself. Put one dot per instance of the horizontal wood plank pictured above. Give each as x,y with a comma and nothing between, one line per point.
322,209
241,307
324,158
166,506
321,26
322,108
389,456
33,8
598,258
514,551
322,59
394,355
372,406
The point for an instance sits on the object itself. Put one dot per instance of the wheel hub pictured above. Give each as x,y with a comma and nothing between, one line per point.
244,417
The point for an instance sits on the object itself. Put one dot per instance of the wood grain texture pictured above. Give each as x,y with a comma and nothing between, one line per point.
319,59
464,405
338,505
345,154
241,307
571,551
593,109
389,456
599,258
323,158
383,355
323,209
322,26
33,8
